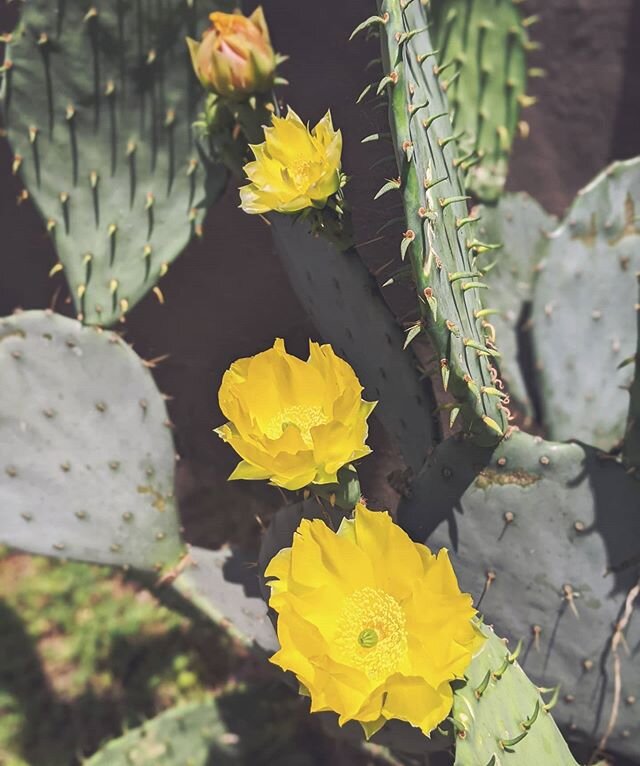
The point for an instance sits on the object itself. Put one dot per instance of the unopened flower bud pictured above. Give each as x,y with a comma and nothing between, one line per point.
235,58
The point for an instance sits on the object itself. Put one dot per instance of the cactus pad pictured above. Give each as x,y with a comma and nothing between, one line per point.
546,540
584,316
521,227
246,725
346,307
482,52
501,717
98,100
86,458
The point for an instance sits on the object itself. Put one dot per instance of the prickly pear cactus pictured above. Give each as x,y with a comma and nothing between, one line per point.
98,100
86,457
584,316
440,241
482,47
545,538
521,227
345,305
245,725
501,717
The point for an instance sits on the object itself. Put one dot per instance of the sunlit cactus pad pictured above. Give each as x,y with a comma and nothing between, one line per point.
86,457
98,99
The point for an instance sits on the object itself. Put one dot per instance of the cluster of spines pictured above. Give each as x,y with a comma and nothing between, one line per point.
104,115
439,238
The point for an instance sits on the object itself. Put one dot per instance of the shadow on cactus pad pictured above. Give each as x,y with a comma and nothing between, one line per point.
546,537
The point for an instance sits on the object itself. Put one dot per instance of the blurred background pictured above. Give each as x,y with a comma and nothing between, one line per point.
84,654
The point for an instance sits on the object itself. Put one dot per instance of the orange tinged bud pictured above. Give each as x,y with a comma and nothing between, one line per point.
235,58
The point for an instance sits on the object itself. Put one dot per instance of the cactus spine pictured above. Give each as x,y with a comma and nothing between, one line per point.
440,238
501,718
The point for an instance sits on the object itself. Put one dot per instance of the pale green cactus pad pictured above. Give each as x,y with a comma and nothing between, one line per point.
87,471
98,101
584,310
521,227
86,457
545,538
482,48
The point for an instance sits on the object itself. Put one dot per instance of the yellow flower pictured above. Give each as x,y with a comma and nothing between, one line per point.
295,168
293,422
235,58
373,625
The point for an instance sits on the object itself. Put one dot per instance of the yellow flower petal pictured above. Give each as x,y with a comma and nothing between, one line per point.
282,416
374,626
295,168
415,701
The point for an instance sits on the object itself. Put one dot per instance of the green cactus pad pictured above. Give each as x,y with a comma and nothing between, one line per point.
346,307
584,316
440,240
248,725
482,50
521,227
98,101
501,717
545,538
86,458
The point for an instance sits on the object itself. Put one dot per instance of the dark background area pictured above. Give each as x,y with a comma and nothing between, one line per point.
227,296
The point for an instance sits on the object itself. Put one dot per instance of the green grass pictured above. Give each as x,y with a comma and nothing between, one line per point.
84,655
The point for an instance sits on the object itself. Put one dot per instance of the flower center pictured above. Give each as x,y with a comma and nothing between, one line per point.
371,633
300,171
303,418
368,638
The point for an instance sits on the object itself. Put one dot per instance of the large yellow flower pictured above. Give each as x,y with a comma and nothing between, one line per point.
295,168
373,625
293,422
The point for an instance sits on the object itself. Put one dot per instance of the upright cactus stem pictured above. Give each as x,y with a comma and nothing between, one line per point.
440,239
